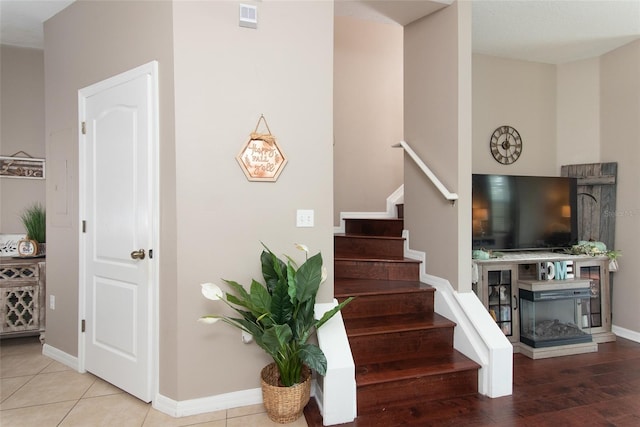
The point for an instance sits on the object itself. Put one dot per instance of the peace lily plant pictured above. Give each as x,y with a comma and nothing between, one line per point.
280,313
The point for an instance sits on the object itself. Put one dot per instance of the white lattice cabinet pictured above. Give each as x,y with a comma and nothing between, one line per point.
22,296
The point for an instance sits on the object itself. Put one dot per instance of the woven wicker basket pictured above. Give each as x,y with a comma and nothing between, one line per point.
284,404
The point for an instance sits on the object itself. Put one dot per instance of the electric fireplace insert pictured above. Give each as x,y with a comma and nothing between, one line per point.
554,313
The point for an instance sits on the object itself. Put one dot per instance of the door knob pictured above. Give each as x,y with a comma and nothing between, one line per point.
139,254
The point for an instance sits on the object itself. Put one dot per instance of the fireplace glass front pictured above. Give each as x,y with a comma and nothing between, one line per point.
554,317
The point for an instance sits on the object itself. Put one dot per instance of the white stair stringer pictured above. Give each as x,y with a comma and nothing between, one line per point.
476,334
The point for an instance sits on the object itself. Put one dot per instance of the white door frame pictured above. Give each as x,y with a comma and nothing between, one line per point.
150,69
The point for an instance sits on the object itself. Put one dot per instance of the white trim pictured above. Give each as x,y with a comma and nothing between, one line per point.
150,69
626,333
61,357
337,396
203,405
476,335
452,197
397,197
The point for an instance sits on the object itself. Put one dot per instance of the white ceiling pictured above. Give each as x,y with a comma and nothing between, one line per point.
21,20
552,31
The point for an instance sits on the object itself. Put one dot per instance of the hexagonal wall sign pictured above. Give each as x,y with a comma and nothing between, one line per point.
261,159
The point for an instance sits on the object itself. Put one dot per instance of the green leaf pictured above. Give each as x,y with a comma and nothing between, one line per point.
241,292
329,314
281,307
260,297
245,325
291,282
308,278
277,337
242,303
314,358
304,321
273,269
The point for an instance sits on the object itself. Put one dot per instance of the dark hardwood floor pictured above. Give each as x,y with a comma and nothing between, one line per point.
594,389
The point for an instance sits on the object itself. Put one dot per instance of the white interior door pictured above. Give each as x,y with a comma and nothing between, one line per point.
119,211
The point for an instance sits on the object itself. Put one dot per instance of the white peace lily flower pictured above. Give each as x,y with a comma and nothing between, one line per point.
208,320
324,274
212,291
302,247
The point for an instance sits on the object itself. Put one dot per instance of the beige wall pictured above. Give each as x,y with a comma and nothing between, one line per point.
368,115
620,140
578,112
437,111
583,112
226,76
21,129
84,44
521,94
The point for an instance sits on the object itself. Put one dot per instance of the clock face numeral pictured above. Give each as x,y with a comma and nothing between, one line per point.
506,145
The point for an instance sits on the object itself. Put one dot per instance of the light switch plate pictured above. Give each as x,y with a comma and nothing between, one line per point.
248,16
304,218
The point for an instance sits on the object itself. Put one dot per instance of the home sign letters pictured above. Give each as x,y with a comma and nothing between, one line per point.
557,270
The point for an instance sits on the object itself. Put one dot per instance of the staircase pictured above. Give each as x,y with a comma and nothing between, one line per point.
403,350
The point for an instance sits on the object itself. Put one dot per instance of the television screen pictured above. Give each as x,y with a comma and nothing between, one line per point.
512,212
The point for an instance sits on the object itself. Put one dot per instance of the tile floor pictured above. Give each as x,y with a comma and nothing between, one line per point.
40,392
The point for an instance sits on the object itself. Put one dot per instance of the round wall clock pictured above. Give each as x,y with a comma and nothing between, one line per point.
506,145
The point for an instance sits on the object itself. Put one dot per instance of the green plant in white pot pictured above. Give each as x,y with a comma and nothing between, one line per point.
279,314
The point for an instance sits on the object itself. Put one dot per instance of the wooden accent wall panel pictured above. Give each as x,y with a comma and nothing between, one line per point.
596,200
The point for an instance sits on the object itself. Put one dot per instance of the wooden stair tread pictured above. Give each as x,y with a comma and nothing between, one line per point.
367,236
363,326
364,258
426,365
363,287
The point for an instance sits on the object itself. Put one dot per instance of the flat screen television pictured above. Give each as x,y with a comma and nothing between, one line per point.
512,212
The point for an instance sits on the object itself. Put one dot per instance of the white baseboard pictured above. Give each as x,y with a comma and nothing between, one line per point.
397,197
207,404
626,333
220,402
62,357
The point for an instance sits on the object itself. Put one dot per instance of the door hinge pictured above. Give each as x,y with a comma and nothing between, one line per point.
84,226
83,327
84,128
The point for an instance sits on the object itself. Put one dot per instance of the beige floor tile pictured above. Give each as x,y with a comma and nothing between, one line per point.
8,386
11,346
221,423
55,366
245,410
101,388
156,418
262,420
17,365
120,410
50,388
36,416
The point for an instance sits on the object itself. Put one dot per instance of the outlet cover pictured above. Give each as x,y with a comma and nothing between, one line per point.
304,218
248,16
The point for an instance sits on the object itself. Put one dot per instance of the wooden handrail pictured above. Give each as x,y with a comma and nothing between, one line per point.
452,197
